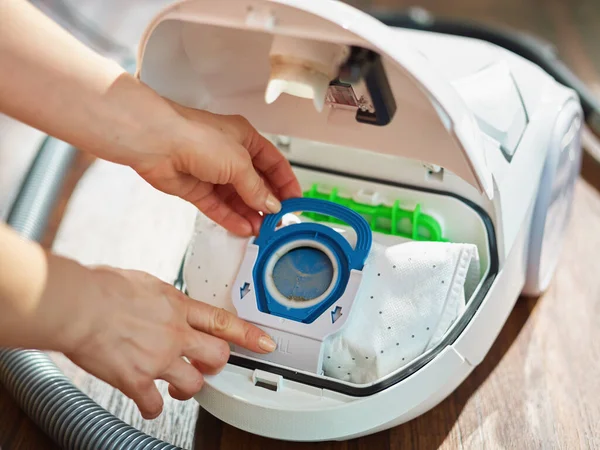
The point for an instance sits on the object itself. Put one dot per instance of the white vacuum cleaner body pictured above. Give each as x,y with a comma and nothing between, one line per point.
442,138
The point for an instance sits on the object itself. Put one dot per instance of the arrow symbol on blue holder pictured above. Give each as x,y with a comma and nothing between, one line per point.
244,290
336,314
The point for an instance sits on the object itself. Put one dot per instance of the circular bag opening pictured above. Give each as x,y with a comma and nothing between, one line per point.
302,274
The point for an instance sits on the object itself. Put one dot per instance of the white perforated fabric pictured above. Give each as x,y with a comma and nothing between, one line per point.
410,295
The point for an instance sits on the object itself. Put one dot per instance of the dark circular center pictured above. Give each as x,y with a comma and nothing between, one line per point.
303,274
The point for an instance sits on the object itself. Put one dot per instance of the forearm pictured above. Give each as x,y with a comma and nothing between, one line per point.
54,83
38,295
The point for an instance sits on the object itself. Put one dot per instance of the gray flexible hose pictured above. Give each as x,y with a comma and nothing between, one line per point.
35,201
72,419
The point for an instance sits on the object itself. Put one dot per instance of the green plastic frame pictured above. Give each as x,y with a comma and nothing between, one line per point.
395,221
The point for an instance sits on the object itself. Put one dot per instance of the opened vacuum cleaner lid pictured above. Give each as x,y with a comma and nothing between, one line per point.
324,72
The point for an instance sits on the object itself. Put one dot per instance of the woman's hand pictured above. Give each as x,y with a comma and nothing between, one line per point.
128,328
56,84
222,165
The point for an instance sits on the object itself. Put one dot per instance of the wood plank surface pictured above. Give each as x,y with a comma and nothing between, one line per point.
538,387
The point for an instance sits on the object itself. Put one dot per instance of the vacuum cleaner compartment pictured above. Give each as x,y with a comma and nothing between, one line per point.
422,281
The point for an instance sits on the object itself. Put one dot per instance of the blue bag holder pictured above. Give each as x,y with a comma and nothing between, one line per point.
344,257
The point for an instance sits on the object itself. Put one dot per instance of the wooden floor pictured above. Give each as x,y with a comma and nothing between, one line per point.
539,386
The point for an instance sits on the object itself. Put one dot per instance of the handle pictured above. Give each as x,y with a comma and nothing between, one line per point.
352,218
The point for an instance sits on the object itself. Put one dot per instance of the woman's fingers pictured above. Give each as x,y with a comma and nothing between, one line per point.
210,351
177,394
184,379
205,369
224,325
207,355
273,166
264,156
250,186
239,156
146,396
212,204
231,164
228,195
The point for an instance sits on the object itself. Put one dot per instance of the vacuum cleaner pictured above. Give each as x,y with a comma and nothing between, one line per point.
413,148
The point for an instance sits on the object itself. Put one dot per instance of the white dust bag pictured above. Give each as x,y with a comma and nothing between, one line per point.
411,293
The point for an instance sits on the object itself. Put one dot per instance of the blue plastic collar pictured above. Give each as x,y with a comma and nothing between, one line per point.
346,258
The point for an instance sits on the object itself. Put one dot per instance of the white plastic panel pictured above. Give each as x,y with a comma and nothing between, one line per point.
518,187
369,164
494,98
456,57
479,335
554,200
453,56
302,413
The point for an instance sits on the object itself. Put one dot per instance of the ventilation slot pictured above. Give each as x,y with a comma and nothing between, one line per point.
267,380
266,385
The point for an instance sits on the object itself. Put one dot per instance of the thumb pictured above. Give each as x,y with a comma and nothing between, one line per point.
252,188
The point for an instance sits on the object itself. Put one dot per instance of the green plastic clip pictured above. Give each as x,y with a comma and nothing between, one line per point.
395,221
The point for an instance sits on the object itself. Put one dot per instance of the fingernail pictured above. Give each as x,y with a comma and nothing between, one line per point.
273,205
267,344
